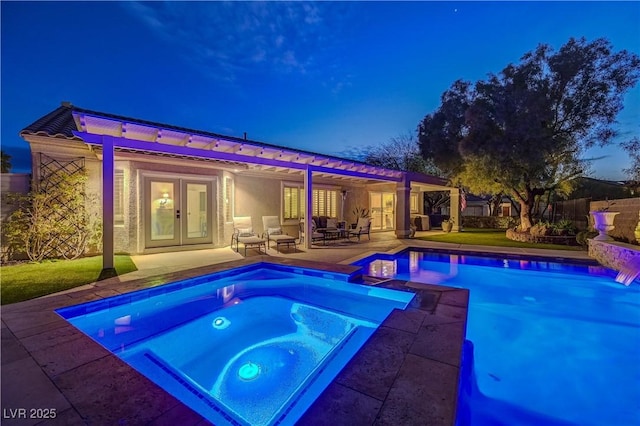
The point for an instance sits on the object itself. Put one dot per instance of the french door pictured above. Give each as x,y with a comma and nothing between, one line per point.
383,208
177,212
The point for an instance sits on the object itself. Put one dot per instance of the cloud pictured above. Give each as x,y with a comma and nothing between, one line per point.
229,39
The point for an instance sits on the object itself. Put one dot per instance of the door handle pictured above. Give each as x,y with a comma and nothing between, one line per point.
177,214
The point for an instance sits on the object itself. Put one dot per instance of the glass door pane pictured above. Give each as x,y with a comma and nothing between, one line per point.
388,210
163,218
375,201
197,220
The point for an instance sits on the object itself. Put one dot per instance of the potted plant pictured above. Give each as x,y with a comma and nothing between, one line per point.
359,212
603,221
447,224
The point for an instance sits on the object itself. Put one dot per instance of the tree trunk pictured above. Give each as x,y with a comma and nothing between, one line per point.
525,215
495,204
527,204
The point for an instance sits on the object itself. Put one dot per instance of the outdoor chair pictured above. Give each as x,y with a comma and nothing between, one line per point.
273,232
243,234
315,235
362,227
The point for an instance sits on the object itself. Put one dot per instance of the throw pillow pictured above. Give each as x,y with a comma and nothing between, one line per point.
245,232
274,231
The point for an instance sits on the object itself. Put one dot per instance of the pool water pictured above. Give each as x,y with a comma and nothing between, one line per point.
255,346
548,343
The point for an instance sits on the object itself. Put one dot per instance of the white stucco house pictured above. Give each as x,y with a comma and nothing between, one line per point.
162,187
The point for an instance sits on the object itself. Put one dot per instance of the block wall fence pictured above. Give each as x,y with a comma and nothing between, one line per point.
626,222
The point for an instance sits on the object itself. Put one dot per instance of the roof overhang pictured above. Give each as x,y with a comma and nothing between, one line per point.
422,182
146,138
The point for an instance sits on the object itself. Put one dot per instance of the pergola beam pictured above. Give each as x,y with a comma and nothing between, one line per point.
226,156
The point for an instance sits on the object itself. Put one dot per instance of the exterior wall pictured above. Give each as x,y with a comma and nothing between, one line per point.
130,237
257,197
626,222
11,183
68,150
357,197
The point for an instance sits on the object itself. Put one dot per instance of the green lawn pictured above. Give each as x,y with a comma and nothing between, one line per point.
490,237
28,280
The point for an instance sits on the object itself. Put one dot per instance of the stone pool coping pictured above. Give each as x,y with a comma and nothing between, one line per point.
407,373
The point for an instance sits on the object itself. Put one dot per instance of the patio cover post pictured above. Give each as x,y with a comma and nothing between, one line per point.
403,198
454,209
308,206
108,167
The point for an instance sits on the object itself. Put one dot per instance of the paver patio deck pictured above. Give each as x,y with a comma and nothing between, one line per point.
407,373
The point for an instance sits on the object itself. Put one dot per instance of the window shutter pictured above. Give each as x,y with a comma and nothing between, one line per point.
287,203
333,199
118,198
228,199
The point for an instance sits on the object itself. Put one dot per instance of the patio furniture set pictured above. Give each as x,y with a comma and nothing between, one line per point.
330,230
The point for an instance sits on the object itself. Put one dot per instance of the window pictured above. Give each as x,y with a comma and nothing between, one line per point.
292,202
414,203
228,199
325,202
118,197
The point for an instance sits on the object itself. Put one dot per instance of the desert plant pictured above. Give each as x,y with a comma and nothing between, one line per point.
360,212
606,207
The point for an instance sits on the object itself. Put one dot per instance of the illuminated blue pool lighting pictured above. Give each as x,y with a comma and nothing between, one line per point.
220,323
249,371
292,334
548,343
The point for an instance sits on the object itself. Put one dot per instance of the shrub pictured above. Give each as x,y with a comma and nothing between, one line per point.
541,229
53,219
563,227
583,236
491,222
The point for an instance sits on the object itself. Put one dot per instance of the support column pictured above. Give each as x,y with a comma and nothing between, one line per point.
308,206
108,172
455,209
403,208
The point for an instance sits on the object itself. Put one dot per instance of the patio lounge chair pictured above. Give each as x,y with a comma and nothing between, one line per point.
243,234
362,227
273,232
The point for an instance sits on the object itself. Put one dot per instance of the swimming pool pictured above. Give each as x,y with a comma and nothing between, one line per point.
254,345
549,343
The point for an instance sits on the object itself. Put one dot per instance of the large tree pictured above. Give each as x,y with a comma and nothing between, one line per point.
524,130
633,149
403,153
400,153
